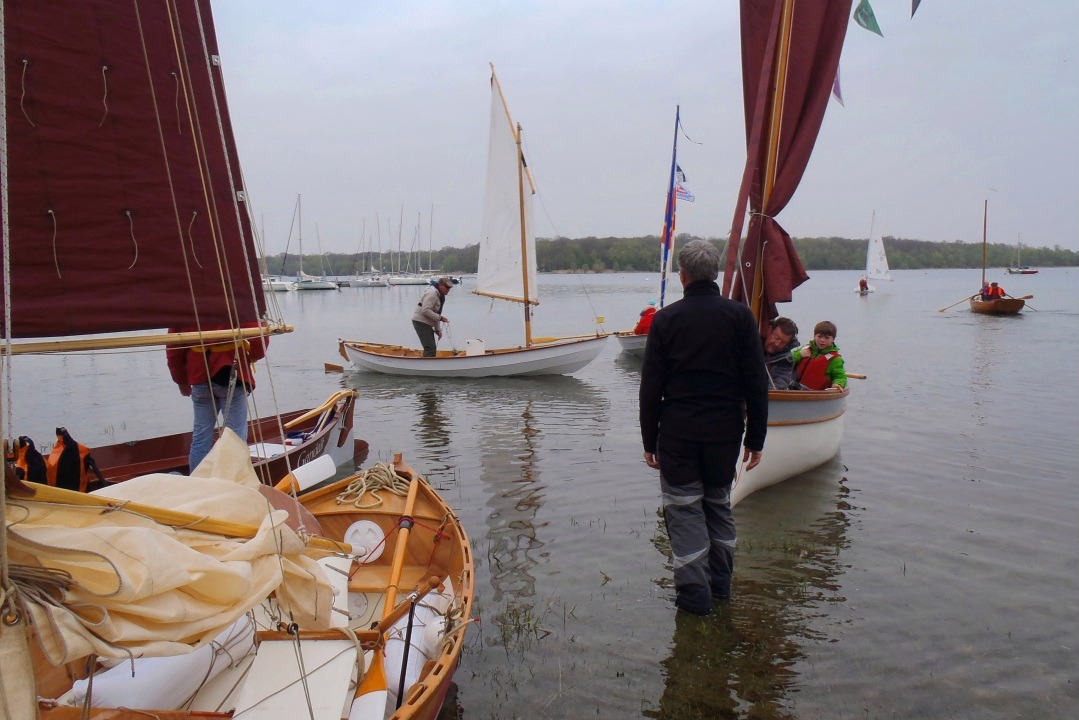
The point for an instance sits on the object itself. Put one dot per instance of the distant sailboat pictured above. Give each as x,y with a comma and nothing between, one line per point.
1019,268
876,259
303,280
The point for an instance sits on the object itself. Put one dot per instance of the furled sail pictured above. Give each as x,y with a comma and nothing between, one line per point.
124,198
507,202
790,53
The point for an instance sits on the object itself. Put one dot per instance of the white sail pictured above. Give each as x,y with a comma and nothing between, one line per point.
876,260
501,253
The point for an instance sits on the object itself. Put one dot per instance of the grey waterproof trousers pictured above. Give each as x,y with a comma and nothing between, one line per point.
695,479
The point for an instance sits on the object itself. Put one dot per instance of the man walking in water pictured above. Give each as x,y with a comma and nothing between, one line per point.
703,373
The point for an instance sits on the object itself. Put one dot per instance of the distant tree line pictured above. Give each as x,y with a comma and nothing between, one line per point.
641,254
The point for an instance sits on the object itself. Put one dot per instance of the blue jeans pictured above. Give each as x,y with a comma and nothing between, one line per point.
211,400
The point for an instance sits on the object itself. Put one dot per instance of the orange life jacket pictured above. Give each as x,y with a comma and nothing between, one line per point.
70,464
29,463
813,371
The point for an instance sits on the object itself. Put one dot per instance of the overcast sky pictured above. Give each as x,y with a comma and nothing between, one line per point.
371,108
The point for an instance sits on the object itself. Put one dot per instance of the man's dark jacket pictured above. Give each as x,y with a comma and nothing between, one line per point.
703,364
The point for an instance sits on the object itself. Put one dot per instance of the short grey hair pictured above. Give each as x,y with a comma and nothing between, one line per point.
700,260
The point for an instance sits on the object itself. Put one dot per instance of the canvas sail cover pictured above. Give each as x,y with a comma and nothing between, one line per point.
501,252
123,182
151,590
815,43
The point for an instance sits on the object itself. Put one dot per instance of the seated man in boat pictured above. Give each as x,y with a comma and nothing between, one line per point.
781,339
645,322
818,365
428,318
996,292
984,292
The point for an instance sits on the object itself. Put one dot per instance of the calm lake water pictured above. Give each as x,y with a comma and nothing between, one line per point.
929,571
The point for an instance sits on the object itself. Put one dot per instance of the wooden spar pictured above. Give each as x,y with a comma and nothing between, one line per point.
134,341
985,221
496,296
164,516
775,127
524,236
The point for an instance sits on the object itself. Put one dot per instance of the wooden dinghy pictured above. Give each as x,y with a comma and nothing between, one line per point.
277,444
1000,306
560,356
506,273
401,570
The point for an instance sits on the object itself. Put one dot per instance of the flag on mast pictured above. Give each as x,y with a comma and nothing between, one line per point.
680,190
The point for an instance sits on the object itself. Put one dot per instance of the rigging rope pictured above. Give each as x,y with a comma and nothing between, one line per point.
587,295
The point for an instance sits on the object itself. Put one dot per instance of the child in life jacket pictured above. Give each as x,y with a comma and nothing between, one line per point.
818,365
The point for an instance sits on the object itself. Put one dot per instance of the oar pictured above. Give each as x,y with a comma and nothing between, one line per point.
371,694
955,303
1025,297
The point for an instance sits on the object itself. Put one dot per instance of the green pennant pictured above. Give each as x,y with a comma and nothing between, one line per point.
863,15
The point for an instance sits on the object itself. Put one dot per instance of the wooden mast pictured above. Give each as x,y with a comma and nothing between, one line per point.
779,89
985,220
524,237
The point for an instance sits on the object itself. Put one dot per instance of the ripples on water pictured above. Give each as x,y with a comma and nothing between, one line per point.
929,571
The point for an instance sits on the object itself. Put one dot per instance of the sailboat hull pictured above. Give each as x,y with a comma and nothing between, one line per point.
632,343
559,357
329,432
805,429
316,285
1001,306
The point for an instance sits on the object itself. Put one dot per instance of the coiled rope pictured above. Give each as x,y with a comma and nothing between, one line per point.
380,477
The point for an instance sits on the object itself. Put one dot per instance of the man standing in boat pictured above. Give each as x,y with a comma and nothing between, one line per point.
703,383
428,317
217,377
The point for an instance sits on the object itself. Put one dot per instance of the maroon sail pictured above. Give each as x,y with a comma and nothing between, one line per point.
798,55
124,198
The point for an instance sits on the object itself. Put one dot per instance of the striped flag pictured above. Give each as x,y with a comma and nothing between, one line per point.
680,190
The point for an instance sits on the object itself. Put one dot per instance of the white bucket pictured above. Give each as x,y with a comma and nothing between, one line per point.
474,347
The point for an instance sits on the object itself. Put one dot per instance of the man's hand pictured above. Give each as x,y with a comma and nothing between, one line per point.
185,390
651,460
752,458
438,333
444,319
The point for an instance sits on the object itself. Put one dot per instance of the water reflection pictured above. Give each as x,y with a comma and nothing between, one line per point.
508,467
432,428
741,660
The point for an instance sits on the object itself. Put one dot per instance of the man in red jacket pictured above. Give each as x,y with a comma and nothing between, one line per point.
217,377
